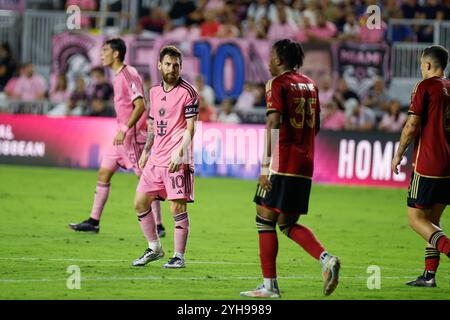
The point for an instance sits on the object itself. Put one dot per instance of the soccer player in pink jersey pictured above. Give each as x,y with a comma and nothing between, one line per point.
168,172
127,146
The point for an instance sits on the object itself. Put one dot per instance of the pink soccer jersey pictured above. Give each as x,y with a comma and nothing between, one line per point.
128,87
169,111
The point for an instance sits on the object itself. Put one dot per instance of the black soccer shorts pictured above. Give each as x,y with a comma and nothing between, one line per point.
424,192
289,194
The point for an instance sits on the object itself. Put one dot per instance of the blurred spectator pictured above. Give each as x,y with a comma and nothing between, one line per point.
377,98
323,31
310,12
100,108
183,13
433,10
156,21
257,30
393,120
361,119
274,13
281,28
29,85
204,90
401,32
60,93
210,26
351,28
227,115
101,88
229,28
76,104
411,9
332,117
246,99
345,96
257,11
7,65
206,112
260,95
326,91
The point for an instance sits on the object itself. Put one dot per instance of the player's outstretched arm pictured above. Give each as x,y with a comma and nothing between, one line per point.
182,151
138,110
409,134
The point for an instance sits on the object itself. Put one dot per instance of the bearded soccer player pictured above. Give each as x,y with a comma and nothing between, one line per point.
282,194
126,148
169,170
428,126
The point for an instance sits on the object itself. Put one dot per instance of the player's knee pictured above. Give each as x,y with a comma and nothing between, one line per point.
104,175
265,224
178,206
140,205
285,228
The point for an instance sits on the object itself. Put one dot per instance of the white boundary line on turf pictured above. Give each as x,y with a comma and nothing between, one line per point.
192,262
163,278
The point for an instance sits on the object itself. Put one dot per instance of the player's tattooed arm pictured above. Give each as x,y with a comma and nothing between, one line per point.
409,133
148,144
150,136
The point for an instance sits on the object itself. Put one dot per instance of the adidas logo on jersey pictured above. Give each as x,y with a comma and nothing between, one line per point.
164,98
180,192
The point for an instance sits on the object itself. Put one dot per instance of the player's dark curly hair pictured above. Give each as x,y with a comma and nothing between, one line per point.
438,54
290,53
118,45
171,51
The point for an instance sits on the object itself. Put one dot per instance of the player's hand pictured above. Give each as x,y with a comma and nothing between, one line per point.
175,162
118,140
395,163
265,183
143,159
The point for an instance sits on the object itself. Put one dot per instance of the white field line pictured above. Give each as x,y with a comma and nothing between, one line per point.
191,262
163,278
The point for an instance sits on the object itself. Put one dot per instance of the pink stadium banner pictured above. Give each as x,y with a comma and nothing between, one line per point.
225,64
347,158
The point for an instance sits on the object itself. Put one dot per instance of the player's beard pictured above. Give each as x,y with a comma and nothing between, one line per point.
170,78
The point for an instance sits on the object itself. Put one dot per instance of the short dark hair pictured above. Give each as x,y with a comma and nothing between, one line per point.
170,51
118,45
438,54
99,70
290,53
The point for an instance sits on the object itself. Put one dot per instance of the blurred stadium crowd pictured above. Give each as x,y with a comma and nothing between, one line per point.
302,20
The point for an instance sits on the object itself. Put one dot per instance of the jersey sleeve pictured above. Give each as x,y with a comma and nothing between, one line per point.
135,88
317,112
418,97
273,97
192,106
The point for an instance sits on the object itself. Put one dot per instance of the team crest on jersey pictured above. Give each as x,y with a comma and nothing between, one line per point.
162,126
162,112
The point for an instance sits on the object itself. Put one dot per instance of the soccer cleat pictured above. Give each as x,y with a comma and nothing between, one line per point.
175,263
84,226
148,256
161,230
331,275
422,281
262,292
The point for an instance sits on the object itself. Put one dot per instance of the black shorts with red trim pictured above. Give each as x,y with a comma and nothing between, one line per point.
288,194
424,192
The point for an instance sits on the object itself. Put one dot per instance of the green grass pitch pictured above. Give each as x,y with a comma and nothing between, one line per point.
364,226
